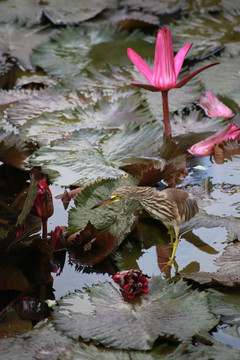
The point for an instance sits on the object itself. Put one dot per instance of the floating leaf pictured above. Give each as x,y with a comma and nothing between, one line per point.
90,154
18,41
167,310
75,49
149,172
128,19
89,247
117,219
216,31
13,150
228,272
103,114
161,7
44,344
56,11
225,305
194,122
32,104
228,83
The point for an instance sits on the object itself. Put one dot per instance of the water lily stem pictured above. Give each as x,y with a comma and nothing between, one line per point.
166,118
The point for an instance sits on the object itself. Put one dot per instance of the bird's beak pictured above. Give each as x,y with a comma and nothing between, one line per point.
104,202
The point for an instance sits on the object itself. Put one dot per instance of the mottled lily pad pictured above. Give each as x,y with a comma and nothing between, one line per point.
57,123
227,273
75,49
87,155
167,310
117,219
18,41
55,10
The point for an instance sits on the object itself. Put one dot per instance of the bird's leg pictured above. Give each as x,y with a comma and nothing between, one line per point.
174,248
170,231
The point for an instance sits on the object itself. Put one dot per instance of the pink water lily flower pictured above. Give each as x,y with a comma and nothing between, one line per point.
166,70
213,106
206,146
166,66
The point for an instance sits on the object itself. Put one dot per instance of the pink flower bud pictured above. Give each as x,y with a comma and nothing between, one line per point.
43,204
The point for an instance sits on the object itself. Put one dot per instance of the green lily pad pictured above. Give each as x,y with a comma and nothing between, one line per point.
88,154
103,114
228,83
161,7
216,31
118,219
228,348
227,273
75,49
32,104
195,122
167,310
55,10
225,305
18,41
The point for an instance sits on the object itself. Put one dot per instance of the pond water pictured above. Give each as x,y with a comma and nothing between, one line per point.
213,240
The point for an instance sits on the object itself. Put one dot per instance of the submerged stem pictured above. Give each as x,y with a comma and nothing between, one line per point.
166,118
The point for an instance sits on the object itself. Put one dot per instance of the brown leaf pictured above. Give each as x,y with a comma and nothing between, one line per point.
83,236
91,249
12,278
150,172
225,150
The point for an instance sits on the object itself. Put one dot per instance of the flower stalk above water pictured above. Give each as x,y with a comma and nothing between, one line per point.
166,70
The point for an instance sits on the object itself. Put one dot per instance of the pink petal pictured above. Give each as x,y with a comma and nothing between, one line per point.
164,76
213,106
179,58
189,77
140,64
205,147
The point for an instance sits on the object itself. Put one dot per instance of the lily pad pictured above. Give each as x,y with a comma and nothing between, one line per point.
228,272
195,122
128,19
216,31
225,305
228,83
167,310
161,7
90,154
55,10
13,150
18,41
75,49
32,104
103,114
117,219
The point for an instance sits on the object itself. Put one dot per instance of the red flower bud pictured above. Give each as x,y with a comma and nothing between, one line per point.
43,204
132,282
